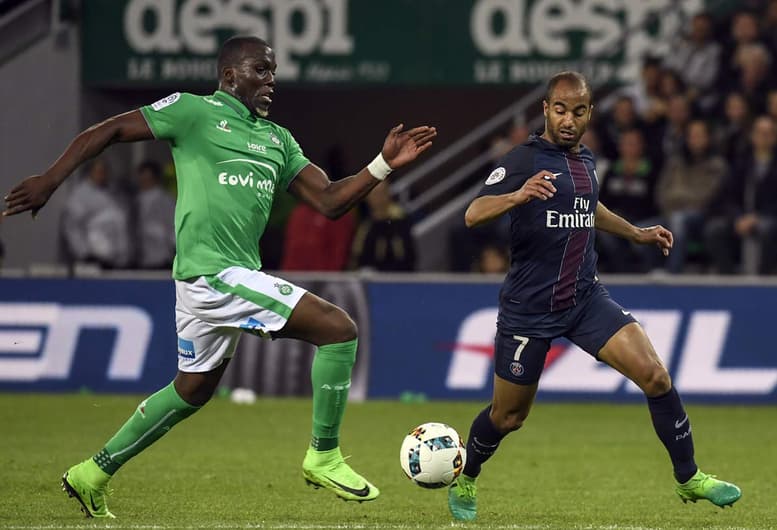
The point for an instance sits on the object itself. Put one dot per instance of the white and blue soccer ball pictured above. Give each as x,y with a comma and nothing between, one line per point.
433,455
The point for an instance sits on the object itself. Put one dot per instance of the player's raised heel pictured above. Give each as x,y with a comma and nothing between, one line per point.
703,486
78,482
327,469
462,498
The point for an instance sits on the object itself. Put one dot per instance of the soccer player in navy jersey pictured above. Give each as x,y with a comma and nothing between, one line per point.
549,188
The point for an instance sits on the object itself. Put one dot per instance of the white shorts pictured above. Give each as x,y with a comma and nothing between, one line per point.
212,311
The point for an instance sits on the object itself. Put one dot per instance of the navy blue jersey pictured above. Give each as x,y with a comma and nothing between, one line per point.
552,256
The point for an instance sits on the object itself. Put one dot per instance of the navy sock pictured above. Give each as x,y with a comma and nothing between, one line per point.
674,430
482,442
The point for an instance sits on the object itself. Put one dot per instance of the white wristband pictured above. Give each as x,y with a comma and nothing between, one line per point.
379,168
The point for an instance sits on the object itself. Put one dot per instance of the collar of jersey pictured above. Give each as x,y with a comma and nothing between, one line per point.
544,144
235,104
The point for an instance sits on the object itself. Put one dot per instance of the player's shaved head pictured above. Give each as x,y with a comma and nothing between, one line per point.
247,71
567,108
575,79
235,49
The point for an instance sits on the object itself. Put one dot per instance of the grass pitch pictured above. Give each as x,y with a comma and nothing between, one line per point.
238,466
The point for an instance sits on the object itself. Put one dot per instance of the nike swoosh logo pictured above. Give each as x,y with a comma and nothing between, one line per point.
627,313
678,424
91,501
359,493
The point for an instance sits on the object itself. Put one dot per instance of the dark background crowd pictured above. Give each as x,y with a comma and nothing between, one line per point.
692,145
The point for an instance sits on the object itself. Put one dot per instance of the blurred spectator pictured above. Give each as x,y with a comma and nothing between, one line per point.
465,244
734,130
155,219
94,226
272,242
493,259
695,58
645,93
519,132
628,190
274,238
311,241
383,240
502,144
752,75
591,140
747,219
686,188
770,26
771,103
315,243
678,115
670,84
744,31
623,116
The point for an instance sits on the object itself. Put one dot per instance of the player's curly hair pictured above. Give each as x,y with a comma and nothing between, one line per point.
572,77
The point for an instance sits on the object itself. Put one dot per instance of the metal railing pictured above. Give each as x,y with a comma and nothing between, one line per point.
402,188
23,24
423,207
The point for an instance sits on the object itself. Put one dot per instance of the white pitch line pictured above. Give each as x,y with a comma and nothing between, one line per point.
349,526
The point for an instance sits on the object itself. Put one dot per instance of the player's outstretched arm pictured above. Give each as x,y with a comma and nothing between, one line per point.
334,199
32,193
607,221
488,207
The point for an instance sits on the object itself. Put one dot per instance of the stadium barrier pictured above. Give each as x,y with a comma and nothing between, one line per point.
422,336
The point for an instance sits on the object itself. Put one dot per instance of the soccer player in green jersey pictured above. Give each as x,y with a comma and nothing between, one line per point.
230,160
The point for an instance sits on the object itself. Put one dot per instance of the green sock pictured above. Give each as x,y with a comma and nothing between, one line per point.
331,376
156,415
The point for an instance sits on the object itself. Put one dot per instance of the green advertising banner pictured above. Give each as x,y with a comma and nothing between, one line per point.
135,43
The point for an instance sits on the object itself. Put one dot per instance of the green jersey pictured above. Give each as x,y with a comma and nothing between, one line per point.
228,165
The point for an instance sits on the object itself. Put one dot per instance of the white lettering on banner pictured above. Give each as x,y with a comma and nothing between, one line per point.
64,323
470,367
700,370
513,38
193,27
545,27
20,342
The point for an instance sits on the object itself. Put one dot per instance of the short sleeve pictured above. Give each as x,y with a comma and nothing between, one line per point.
295,160
171,117
510,173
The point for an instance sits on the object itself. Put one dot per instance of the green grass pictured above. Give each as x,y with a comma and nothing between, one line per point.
231,466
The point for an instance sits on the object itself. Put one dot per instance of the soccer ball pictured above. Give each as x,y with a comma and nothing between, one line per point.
432,455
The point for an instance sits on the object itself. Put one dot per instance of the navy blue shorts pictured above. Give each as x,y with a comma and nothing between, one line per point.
519,353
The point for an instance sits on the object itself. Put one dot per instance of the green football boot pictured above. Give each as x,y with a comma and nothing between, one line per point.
463,498
703,486
89,485
327,469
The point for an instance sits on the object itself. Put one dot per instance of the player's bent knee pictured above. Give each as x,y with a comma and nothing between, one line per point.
194,395
196,389
343,327
510,421
657,383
